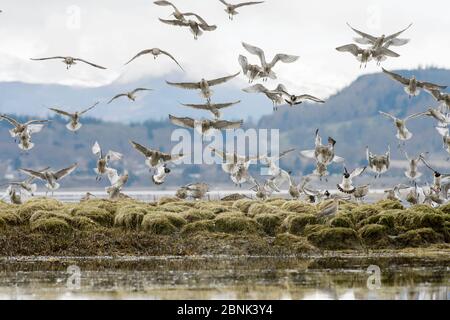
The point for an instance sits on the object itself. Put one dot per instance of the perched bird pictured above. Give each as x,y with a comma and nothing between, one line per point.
160,176
313,194
50,177
379,164
205,126
155,52
412,173
413,196
383,40
70,61
251,71
234,197
346,186
276,95
117,183
412,85
196,27
294,188
294,100
74,124
323,154
444,98
194,190
329,208
130,95
203,85
23,132
177,13
433,197
263,191
403,133
267,67
15,196
155,158
231,8
88,196
104,159
366,55
214,108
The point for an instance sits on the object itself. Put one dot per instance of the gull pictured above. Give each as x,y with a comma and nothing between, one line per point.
203,85
442,118
441,182
50,177
231,8
104,159
361,192
23,132
412,85
413,196
444,132
444,98
161,173
214,108
27,185
383,40
276,95
196,28
433,198
235,165
155,158
323,154
155,52
366,55
412,173
346,186
321,170
74,124
403,133
130,95
194,190
294,188
313,194
15,197
251,71
69,61
205,127
379,164
394,193
263,191
267,67
279,176
177,13
294,100
117,183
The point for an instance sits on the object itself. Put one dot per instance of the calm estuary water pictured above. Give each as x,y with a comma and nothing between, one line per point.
332,277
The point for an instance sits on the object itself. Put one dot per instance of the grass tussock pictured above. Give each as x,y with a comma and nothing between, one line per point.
273,223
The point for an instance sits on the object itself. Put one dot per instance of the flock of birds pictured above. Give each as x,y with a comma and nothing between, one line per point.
236,165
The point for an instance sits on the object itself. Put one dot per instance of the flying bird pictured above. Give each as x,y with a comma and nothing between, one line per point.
251,71
160,176
50,177
214,108
383,40
235,165
231,8
155,158
23,131
412,172
205,126
117,183
177,13
267,67
346,186
104,159
130,95
204,85
366,55
412,85
294,100
403,133
69,61
444,98
74,124
155,52
323,154
195,27
276,95
379,164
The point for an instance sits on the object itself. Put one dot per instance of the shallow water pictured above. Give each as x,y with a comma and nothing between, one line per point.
333,277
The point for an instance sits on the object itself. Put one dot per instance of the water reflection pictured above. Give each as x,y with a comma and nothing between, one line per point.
223,278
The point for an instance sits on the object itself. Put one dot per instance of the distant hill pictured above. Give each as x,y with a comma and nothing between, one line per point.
350,117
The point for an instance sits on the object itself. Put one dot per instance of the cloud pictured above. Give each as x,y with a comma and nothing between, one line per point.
109,32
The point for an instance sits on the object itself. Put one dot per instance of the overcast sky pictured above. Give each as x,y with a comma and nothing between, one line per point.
109,32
